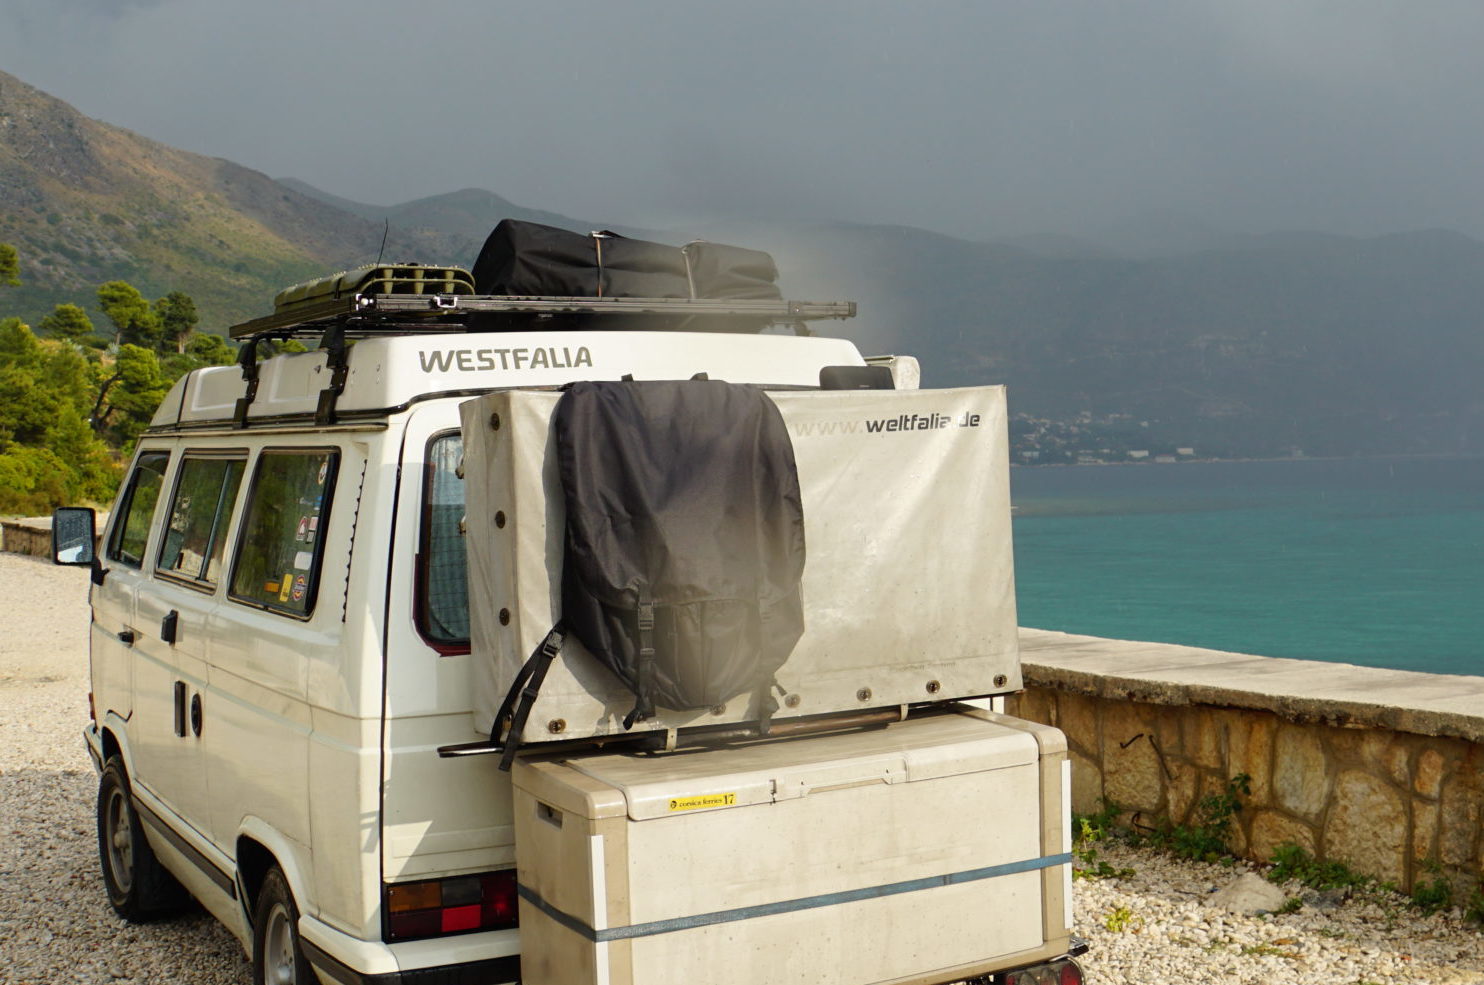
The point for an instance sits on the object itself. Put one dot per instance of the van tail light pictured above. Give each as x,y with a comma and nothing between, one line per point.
458,905
92,709
1062,972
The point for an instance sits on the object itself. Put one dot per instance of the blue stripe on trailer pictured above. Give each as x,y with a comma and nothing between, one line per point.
785,906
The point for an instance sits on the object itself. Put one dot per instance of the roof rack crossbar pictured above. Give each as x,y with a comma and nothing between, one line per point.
382,310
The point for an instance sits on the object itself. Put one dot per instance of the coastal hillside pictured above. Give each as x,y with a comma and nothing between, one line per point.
1175,337
85,202
452,226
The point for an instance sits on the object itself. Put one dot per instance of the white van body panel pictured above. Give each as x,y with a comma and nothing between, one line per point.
391,373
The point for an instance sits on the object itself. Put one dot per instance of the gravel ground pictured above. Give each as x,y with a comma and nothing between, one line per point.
1157,926
55,922
56,925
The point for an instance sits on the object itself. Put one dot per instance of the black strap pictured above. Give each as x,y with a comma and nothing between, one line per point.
523,691
644,703
338,362
767,706
247,359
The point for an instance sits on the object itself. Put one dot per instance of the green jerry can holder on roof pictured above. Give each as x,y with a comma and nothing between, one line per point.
399,278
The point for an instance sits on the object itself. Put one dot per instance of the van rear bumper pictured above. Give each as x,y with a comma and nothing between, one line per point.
345,960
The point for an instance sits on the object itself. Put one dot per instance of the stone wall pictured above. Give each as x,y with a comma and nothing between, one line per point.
33,535
1397,803
27,536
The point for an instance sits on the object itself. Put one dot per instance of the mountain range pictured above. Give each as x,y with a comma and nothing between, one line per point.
1237,345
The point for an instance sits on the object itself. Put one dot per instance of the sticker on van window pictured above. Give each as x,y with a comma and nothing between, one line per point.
324,467
303,530
286,586
300,584
303,560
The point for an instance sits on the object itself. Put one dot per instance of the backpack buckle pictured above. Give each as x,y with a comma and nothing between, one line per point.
552,644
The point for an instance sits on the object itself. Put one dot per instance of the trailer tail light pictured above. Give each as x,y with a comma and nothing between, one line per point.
1068,973
450,906
1063,972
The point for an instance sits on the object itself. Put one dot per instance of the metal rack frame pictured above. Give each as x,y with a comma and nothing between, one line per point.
408,314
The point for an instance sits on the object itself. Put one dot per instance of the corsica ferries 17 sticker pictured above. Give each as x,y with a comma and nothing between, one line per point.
705,800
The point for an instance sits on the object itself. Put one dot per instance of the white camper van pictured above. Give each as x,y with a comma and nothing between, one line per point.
325,572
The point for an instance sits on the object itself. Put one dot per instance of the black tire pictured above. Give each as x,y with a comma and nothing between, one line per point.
277,957
139,888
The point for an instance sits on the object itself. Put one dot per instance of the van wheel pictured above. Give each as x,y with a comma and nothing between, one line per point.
277,958
138,886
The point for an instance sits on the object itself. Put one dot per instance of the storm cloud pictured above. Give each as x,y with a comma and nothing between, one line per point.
978,119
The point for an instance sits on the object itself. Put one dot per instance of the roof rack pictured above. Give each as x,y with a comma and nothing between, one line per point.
364,315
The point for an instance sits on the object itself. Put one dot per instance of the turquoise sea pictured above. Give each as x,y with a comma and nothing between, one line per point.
1367,561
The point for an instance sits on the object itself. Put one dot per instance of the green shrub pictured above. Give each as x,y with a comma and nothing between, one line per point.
1087,831
32,480
1433,895
1473,907
1291,862
1208,838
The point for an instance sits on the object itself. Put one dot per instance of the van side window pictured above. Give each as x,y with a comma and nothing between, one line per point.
279,545
442,592
205,492
138,507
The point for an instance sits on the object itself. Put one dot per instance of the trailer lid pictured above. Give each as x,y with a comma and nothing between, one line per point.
769,772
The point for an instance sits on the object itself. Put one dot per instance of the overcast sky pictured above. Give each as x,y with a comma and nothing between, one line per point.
981,119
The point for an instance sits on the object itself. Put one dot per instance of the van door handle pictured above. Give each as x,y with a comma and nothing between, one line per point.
168,625
126,636
180,708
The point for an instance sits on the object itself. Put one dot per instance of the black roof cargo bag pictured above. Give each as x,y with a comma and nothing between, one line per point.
684,544
531,260
636,268
721,271
527,259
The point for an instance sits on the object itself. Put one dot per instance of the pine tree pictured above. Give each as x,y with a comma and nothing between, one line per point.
134,322
67,321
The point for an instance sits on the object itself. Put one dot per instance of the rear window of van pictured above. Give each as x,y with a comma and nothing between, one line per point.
442,606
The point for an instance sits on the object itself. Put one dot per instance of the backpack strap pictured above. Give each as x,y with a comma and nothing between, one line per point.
766,705
523,690
644,703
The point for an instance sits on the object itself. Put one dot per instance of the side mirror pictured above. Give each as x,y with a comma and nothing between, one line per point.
74,533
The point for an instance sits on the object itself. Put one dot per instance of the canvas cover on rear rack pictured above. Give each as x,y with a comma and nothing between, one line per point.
907,590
